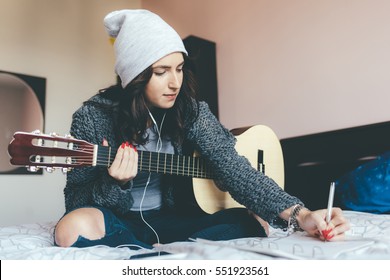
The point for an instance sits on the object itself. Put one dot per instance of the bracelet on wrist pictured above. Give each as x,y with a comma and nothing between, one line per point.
293,224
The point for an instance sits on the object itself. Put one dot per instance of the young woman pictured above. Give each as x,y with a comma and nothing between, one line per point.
154,109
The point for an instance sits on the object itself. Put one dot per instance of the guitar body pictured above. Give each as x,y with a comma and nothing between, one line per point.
249,141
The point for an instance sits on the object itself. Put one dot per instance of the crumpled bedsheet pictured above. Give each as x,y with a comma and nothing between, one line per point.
368,238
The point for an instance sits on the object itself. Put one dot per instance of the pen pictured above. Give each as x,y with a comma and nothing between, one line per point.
330,202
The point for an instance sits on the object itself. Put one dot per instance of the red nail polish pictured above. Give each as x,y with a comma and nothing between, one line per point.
330,236
127,144
123,145
325,233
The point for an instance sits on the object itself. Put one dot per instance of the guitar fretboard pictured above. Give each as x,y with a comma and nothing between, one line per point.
162,163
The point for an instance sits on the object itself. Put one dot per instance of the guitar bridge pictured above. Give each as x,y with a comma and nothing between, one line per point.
260,161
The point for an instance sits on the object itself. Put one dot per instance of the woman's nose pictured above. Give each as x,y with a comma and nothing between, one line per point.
175,80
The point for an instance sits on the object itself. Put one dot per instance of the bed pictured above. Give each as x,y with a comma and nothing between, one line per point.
310,160
368,238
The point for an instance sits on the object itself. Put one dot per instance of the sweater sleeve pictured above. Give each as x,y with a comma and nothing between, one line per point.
234,173
88,186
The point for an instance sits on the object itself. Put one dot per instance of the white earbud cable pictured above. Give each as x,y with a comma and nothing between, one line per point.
158,149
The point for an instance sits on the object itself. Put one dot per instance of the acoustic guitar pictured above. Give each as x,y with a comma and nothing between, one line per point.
258,144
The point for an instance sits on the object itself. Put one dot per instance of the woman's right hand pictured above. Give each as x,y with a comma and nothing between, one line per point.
125,165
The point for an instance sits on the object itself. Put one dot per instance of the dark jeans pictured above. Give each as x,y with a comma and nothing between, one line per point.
130,230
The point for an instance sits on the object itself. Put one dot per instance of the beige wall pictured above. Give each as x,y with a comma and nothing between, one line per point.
299,66
65,42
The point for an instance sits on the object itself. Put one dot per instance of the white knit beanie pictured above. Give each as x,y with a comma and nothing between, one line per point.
142,38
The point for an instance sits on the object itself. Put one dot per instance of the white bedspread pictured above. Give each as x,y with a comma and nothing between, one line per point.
368,238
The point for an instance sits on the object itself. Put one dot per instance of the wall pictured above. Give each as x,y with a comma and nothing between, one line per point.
65,42
299,66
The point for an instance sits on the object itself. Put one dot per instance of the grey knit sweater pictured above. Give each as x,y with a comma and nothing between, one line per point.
88,186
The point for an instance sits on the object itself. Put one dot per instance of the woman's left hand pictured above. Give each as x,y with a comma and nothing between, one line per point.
314,223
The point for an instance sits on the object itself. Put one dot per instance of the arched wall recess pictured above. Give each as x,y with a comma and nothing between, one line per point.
22,108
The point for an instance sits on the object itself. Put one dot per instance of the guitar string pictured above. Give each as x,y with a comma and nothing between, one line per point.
191,165
184,163
175,169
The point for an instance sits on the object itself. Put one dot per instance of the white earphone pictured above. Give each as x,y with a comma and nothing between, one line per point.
158,149
159,141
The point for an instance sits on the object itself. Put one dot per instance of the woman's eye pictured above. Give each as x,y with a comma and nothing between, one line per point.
159,73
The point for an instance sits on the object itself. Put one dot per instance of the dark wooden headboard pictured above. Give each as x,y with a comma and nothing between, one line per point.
313,161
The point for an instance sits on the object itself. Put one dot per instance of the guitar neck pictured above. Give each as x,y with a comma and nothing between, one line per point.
160,163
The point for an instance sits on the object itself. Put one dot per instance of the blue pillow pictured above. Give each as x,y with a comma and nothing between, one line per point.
367,188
